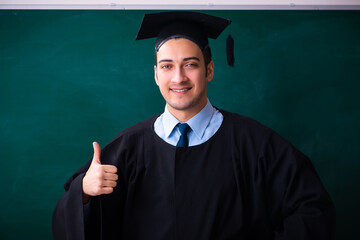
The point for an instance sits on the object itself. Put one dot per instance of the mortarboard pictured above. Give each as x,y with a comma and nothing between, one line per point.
197,27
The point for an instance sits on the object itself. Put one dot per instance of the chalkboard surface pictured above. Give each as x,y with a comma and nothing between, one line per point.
68,78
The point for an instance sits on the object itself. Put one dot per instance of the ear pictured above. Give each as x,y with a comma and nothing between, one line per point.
210,71
155,76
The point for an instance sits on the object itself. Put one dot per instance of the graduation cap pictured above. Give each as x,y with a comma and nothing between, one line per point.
194,26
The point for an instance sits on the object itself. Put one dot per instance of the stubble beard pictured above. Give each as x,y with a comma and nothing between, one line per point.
199,101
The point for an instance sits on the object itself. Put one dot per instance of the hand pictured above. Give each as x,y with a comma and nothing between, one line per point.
99,179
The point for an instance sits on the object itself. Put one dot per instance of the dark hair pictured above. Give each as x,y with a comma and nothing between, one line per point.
206,53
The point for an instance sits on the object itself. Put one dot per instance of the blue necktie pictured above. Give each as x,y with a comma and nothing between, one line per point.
184,129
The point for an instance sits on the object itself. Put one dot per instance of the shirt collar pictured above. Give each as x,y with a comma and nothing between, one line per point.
169,122
198,123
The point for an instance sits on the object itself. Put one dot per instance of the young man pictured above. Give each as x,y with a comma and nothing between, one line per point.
194,172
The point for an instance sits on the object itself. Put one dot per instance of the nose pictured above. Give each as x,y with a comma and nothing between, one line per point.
179,76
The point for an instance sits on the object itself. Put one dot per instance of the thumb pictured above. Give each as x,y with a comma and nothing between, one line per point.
97,153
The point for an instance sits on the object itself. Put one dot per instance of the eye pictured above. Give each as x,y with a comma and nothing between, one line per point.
165,66
191,65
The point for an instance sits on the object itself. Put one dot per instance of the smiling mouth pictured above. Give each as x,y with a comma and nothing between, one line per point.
181,90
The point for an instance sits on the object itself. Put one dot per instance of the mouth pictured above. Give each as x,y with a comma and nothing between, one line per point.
182,90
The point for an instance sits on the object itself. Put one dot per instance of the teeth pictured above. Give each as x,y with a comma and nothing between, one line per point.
181,90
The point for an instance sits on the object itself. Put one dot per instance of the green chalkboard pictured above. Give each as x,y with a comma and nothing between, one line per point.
68,78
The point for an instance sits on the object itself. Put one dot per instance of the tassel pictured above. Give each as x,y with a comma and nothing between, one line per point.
230,51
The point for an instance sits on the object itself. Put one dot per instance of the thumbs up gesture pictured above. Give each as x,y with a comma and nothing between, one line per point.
99,179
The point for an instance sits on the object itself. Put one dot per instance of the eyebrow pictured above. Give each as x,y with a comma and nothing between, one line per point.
184,60
191,58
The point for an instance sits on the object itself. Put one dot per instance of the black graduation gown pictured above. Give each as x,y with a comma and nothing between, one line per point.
246,182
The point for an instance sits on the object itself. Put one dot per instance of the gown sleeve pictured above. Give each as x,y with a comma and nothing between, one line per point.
299,205
101,218
68,217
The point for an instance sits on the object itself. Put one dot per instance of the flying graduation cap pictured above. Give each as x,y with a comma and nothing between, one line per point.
194,26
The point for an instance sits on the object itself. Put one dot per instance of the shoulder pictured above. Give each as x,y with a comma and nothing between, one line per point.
269,147
244,124
250,130
131,136
137,129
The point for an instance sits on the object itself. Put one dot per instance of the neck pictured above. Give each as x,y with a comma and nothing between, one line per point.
185,115
182,116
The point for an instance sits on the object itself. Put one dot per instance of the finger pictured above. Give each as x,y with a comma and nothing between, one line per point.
109,169
106,190
107,183
111,176
97,153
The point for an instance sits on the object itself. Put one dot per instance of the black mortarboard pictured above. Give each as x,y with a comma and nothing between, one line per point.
197,27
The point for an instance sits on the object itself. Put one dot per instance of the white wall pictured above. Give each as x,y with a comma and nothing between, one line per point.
180,4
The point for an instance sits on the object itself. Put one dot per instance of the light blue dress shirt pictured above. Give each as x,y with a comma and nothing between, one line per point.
203,126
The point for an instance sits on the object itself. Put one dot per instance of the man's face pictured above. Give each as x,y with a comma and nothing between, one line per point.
181,77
